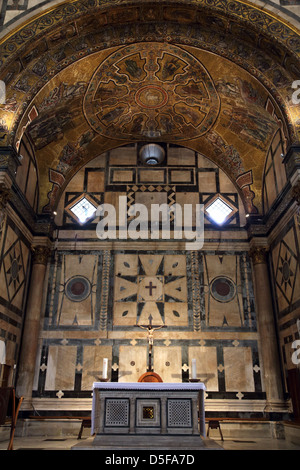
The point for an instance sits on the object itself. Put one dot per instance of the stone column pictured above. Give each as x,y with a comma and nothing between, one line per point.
30,337
266,328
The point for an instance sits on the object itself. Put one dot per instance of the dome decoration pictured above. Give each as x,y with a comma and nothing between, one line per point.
160,92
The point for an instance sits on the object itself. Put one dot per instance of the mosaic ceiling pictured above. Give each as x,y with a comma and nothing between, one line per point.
151,91
80,84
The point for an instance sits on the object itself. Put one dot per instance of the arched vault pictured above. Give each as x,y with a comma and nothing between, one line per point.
84,77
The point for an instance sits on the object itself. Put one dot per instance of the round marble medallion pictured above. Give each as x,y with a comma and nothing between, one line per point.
77,288
223,289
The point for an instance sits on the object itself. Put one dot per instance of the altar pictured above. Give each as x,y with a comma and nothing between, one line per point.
148,415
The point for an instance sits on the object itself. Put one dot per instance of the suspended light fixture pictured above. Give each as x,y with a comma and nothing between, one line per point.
152,154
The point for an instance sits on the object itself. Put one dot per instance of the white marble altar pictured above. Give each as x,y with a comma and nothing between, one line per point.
147,411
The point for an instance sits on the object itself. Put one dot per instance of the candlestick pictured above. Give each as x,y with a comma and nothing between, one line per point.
104,372
194,369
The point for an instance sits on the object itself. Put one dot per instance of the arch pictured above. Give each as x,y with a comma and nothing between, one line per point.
40,60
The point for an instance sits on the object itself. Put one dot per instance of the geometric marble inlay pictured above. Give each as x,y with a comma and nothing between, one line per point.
150,284
117,412
179,413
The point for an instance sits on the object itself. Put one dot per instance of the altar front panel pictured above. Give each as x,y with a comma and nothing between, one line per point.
145,408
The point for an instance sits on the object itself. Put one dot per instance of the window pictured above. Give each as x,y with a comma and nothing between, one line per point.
83,208
219,211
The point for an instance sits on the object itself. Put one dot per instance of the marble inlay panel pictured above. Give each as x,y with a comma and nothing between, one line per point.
92,366
61,368
132,363
206,365
167,363
238,369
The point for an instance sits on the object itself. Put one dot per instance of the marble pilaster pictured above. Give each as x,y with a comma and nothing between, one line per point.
32,322
266,327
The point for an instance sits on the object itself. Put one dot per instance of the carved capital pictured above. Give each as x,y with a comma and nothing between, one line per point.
258,255
4,197
296,192
40,254
9,160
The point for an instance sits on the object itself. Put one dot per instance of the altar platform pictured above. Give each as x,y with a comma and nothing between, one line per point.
148,416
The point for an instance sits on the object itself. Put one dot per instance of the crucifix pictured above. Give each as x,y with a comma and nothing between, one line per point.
150,328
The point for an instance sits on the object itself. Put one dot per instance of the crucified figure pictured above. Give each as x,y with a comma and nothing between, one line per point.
150,329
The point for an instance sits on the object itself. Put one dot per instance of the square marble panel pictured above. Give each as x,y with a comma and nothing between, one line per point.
152,176
206,365
176,314
95,181
126,265
191,199
127,156
181,177
61,367
207,181
167,362
238,369
113,199
125,313
150,288
121,176
149,198
181,156
132,362
175,265
92,364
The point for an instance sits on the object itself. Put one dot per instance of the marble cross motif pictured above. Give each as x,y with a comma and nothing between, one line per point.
150,287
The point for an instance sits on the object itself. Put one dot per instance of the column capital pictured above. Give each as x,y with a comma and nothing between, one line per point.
4,197
40,254
258,254
9,161
296,192
292,160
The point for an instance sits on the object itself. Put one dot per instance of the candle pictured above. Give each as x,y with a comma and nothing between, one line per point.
104,373
194,370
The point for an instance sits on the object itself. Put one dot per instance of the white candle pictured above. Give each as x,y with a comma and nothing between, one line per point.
104,373
194,370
